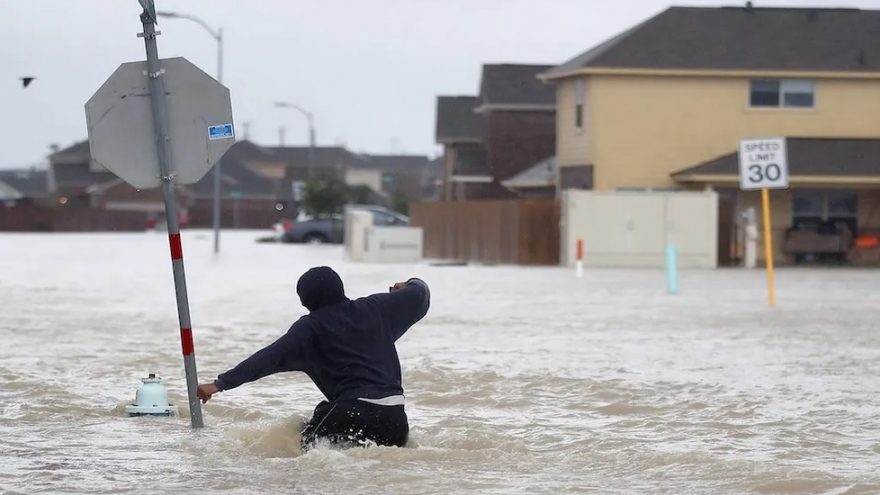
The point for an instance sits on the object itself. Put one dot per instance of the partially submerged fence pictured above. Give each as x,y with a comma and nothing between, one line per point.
521,232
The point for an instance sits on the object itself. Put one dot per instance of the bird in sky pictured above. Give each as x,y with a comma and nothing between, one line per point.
26,81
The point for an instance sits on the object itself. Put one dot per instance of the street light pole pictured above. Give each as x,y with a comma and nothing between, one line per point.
310,118
218,36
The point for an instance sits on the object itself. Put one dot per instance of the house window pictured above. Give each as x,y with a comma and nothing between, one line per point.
814,208
579,104
784,93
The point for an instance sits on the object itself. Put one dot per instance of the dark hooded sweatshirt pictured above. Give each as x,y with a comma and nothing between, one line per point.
345,346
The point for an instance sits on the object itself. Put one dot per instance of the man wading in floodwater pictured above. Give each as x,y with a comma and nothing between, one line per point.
347,348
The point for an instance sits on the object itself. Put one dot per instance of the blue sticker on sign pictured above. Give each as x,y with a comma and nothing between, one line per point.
220,132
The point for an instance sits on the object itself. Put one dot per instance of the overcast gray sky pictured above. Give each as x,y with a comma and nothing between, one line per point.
370,70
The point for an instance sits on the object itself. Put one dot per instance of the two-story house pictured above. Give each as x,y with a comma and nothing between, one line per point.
504,130
665,103
393,176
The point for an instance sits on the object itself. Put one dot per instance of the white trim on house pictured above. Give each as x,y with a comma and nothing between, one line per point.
515,107
471,178
518,184
8,192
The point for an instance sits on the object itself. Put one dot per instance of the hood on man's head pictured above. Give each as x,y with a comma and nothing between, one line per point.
319,287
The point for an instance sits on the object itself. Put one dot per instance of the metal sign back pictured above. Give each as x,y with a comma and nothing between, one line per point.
120,126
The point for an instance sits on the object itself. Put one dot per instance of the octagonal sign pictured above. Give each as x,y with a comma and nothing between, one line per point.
122,138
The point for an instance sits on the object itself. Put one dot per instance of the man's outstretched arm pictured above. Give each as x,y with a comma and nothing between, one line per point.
288,353
406,304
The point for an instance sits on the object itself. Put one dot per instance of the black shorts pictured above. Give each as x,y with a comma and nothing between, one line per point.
356,423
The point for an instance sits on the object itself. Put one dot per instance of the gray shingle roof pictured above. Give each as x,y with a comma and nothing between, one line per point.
29,183
505,84
456,120
78,175
325,156
249,151
236,176
78,150
542,173
840,157
741,38
415,164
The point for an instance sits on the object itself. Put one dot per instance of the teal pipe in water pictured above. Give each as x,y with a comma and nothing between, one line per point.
671,269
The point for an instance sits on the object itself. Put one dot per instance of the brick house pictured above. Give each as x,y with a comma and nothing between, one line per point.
508,128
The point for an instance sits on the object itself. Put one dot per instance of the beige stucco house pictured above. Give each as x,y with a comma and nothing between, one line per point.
664,105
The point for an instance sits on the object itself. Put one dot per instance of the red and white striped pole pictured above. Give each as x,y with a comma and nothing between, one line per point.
580,258
163,150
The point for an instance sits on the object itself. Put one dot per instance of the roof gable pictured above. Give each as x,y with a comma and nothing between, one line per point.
742,38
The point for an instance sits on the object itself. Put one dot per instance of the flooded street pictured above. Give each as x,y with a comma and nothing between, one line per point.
519,380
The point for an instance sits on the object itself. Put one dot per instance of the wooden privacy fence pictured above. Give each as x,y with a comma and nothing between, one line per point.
521,232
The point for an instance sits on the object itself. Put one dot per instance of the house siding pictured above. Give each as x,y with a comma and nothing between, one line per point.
644,128
572,143
516,141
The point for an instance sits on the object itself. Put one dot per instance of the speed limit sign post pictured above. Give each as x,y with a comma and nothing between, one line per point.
763,164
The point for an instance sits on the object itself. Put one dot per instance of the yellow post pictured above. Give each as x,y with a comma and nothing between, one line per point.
768,246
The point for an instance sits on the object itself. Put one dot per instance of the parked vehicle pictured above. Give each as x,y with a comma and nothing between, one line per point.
331,230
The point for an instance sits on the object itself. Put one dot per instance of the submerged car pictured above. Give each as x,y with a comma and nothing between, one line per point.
332,229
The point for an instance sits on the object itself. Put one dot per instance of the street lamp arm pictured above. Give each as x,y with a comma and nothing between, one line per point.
306,113
174,15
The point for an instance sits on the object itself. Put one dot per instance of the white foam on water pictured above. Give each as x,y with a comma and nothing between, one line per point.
520,380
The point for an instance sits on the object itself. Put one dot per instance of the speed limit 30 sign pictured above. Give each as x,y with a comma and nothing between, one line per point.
763,164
